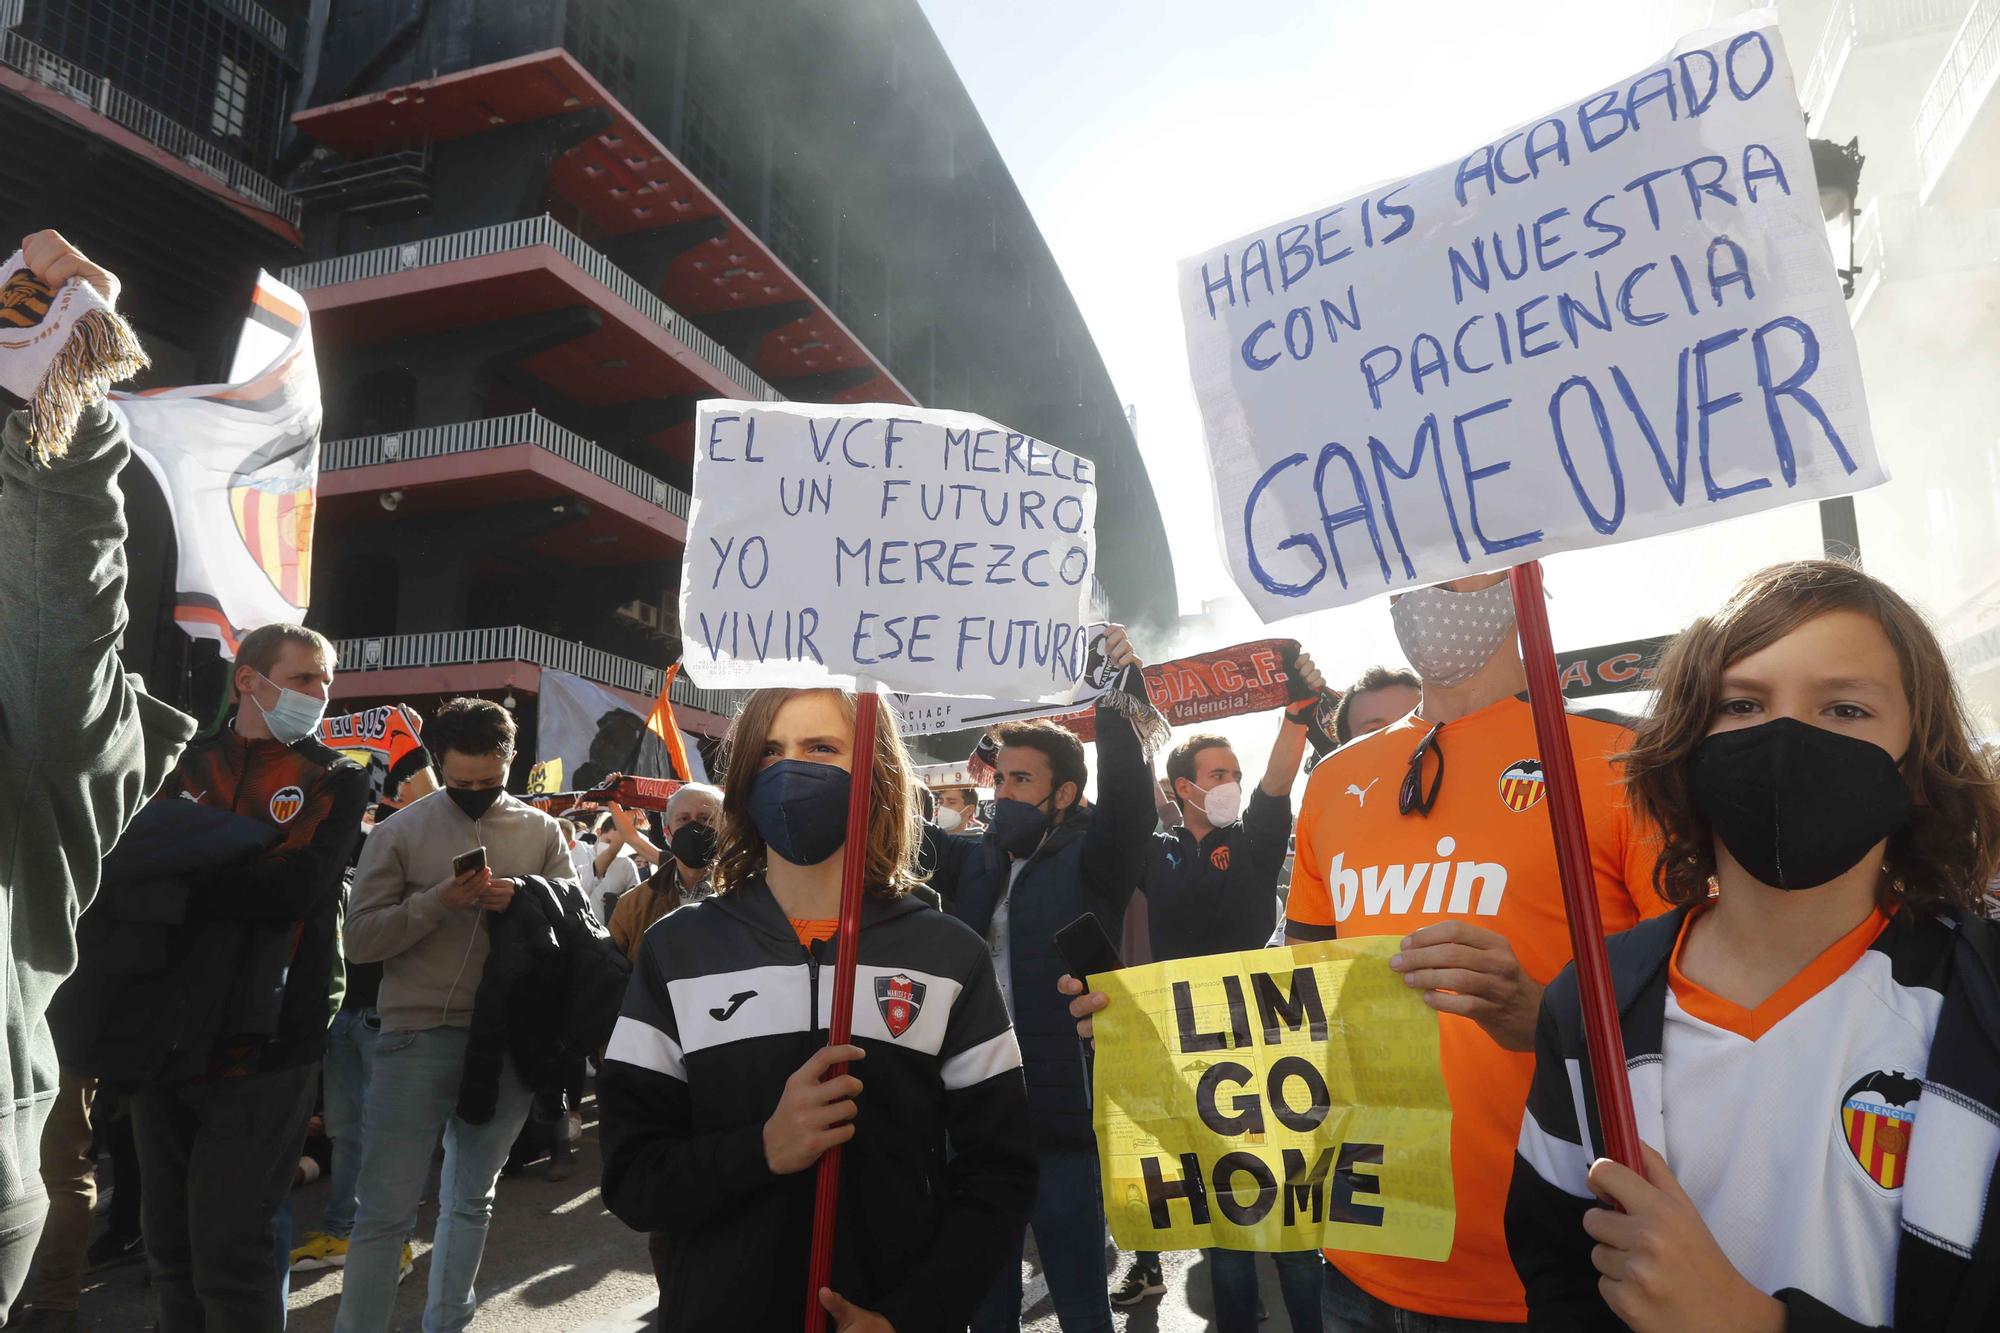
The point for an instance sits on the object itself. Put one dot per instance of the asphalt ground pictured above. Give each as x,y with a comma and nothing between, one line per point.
557,1262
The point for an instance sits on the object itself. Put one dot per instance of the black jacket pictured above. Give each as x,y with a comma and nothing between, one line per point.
1948,1283
288,901
154,987
1091,862
549,996
1218,894
724,1007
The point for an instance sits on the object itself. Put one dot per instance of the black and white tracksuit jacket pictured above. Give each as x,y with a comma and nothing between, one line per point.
1948,1253
724,1006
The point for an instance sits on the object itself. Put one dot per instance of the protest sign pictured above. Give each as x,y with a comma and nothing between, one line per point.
921,550
1617,321
1246,678
1275,1099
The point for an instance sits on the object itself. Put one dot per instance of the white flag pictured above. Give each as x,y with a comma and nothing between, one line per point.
239,463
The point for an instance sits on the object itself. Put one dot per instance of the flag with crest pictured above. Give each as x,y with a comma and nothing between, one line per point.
239,465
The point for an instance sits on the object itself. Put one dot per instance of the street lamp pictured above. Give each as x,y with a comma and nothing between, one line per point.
1838,169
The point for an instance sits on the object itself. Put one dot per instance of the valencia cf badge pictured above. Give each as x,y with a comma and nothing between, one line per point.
286,803
1522,785
900,1000
1877,1116
1219,858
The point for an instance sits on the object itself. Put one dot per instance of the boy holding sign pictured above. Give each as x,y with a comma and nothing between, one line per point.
1811,1034
714,1092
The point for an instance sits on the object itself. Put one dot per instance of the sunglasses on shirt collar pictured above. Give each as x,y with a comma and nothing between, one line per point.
1414,797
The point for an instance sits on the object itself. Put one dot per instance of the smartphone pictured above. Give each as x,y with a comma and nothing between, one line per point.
1086,949
469,863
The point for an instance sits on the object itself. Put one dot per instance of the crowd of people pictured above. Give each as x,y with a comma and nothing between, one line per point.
229,940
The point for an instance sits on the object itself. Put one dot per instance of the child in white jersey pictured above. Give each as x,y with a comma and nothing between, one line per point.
1810,1038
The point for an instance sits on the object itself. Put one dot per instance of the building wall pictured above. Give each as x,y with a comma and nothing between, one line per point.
841,136
1927,319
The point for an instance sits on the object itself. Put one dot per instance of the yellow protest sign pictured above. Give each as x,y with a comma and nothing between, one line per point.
545,777
1276,1099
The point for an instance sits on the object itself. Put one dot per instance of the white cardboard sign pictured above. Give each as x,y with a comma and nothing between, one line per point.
908,548
1619,320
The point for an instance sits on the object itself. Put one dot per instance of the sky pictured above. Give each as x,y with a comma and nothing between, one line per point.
1143,131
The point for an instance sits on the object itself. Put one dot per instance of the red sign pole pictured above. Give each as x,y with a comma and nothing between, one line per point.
840,1024
1586,928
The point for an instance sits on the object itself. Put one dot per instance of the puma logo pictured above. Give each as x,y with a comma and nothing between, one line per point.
728,1011
1360,794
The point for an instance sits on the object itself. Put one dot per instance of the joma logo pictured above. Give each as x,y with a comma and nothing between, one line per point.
1451,888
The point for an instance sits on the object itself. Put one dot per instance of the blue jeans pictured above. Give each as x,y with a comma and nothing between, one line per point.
411,1097
1232,1275
1349,1309
350,1061
1068,1219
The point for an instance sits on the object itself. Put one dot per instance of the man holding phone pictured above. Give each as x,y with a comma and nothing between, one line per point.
1045,859
425,883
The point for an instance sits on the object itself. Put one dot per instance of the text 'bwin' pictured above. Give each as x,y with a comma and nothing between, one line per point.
1447,886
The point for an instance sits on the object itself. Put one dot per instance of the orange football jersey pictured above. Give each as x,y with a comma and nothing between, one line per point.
1484,854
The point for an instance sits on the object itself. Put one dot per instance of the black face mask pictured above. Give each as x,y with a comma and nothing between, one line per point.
693,844
1797,805
1018,827
474,803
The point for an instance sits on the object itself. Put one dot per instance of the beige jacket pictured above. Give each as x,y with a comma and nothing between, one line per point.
433,955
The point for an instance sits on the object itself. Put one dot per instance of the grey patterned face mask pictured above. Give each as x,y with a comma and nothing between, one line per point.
1447,636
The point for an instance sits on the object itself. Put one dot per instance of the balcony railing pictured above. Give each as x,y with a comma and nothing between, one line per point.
100,95
1964,81
258,19
1898,238
517,643
1851,23
504,236
1836,43
497,433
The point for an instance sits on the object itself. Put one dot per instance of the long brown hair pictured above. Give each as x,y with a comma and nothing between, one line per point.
893,835
1946,854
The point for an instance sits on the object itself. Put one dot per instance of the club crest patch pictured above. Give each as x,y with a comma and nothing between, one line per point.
1878,1114
1219,858
24,300
1522,785
286,803
900,1000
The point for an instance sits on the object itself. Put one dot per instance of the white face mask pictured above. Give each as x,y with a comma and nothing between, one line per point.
1222,803
948,819
1447,636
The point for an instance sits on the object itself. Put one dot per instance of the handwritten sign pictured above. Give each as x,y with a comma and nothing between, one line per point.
1620,320
1276,1099
920,550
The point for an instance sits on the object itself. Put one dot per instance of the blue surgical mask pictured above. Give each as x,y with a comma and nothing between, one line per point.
800,809
294,717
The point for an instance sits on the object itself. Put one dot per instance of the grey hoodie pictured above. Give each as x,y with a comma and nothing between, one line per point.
82,745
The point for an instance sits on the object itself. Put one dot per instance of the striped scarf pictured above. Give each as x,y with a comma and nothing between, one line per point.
60,351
